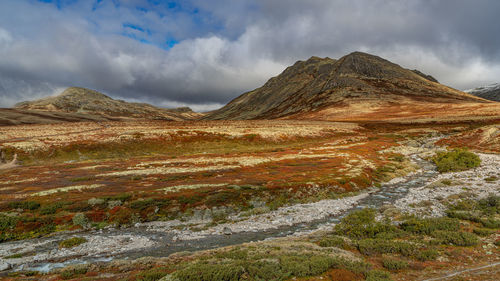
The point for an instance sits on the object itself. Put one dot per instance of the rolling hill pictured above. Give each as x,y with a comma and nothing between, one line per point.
79,104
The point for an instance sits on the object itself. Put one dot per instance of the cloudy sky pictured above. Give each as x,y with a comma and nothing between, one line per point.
203,53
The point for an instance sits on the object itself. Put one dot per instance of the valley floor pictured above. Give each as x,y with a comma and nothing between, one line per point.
138,189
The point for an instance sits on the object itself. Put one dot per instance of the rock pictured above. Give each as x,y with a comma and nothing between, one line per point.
227,231
4,266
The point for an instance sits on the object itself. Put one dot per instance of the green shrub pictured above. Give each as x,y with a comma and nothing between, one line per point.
302,266
142,204
464,215
382,246
25,205
483,231
72,242
427,226
489,205
211,272
152,275
332,242
456,160
7,222
121,196
51,208
394,264
455,238
265,270
490,223
427,255
362,224
234,254
73,272
80,219
378,275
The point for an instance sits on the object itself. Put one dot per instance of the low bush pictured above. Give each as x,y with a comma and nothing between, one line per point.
455,238
302,265
378,275
427,226
51,208
265,270
483,231
382,246
142,203
490,223
7,222
72,242
152,275
456,160
73,272
121,216
464,215
211,272
489,205
394,264
235,254
362,224
80,219
332,242
427,255
25,205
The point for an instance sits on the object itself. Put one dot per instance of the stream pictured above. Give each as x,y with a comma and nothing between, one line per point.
161,243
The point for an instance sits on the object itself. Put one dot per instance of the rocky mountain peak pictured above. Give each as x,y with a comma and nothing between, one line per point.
318,83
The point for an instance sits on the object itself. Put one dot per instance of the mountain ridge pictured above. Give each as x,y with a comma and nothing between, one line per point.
320,83
489,92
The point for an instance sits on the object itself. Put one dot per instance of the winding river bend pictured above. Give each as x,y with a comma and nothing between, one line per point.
140,241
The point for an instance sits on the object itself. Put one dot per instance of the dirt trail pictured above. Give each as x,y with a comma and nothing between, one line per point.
460,272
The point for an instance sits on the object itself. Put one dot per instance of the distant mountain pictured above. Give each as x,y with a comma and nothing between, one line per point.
490,92
85,101
329,89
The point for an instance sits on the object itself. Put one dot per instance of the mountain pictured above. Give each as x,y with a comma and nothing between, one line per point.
490,92
85,101
355,86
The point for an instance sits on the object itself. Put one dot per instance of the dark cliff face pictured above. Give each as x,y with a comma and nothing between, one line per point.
491,92
321,82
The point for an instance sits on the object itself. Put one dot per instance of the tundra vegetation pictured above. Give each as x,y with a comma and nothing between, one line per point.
117,176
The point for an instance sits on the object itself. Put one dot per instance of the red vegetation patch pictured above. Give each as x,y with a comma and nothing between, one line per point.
96,216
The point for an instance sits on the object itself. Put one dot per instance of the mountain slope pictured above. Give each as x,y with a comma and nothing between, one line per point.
490,92
85,101
323,83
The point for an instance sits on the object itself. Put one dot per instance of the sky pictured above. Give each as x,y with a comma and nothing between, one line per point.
204,53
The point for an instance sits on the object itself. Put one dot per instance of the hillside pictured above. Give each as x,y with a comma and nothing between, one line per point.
89,102
352,87
490,92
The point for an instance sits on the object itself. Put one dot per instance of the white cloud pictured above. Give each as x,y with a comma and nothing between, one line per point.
227,48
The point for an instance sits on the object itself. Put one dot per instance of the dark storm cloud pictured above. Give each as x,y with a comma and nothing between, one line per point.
204,53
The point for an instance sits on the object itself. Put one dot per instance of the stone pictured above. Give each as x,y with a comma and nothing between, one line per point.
4,266
227,231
